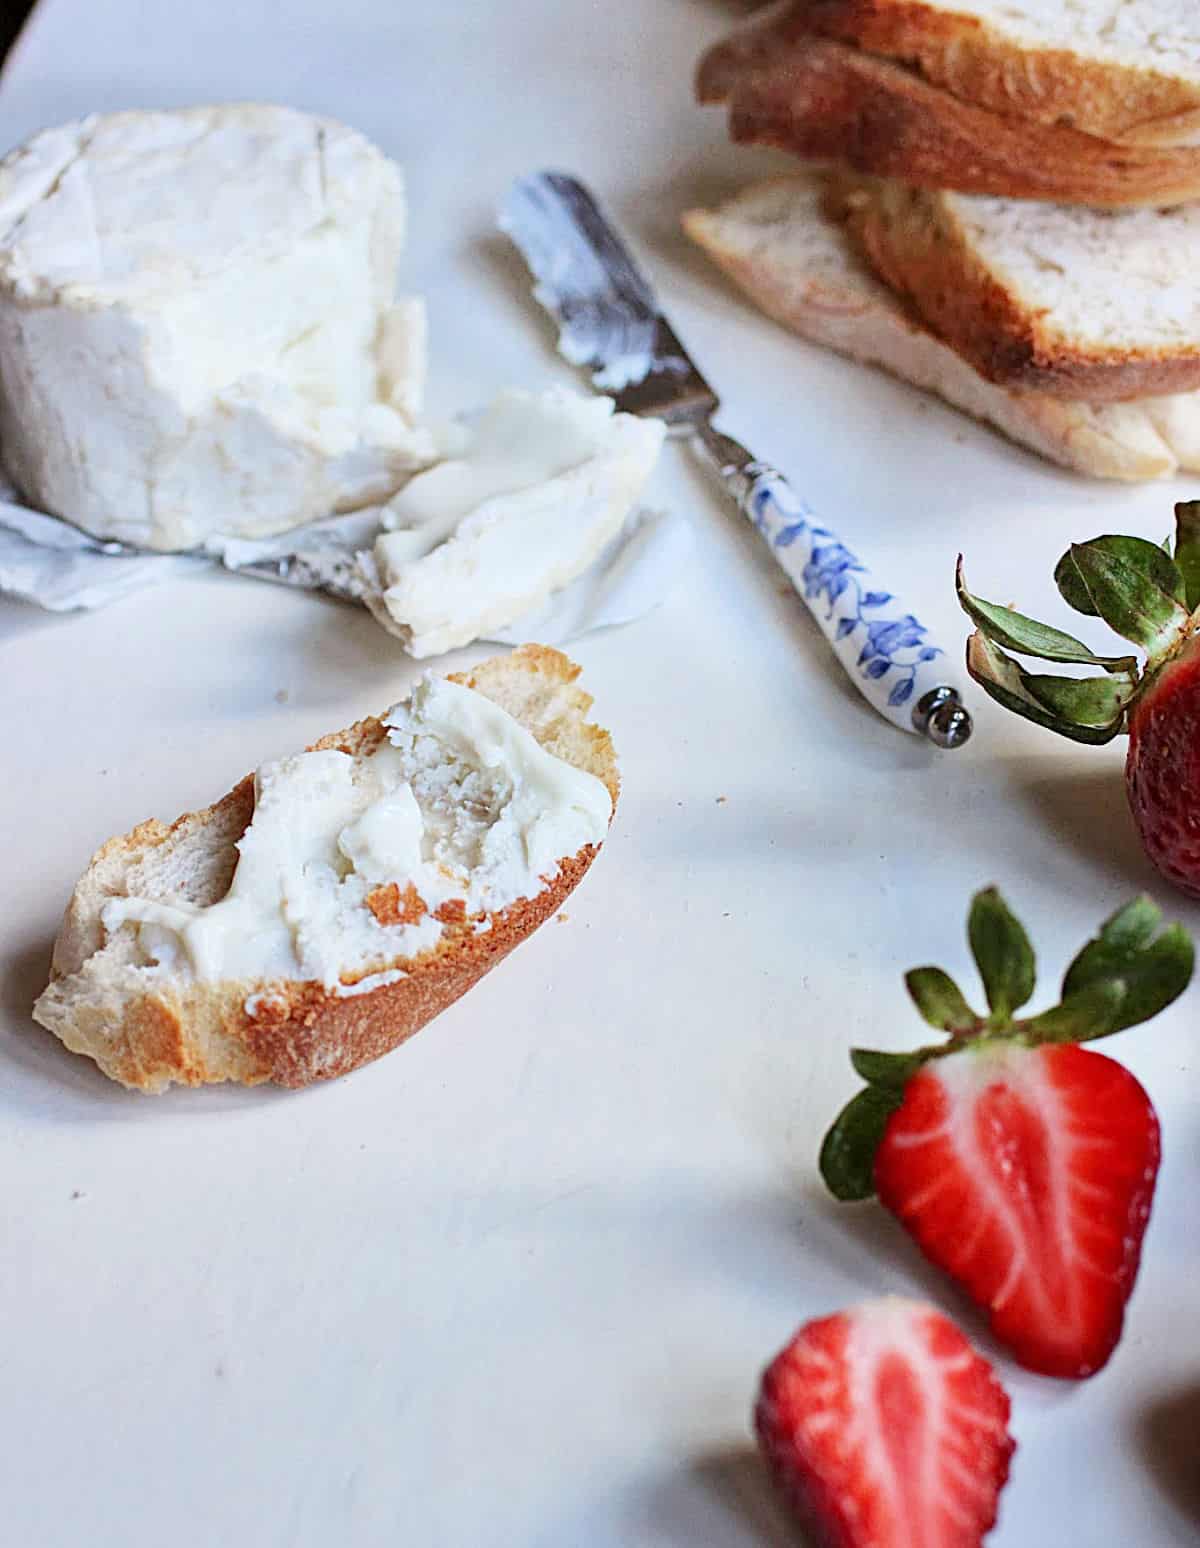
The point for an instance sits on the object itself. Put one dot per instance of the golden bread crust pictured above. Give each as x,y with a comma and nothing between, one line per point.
828,101
296,1034
1119,101
918,246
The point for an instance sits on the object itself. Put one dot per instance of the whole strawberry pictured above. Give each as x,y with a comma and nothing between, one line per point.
1151,598
885,1429
1022,1164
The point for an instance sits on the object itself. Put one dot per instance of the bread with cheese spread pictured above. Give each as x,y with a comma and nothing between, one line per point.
333,903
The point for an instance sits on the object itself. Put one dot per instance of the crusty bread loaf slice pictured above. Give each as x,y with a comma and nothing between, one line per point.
1080,303
150,1029
1123,70
828,101
786,243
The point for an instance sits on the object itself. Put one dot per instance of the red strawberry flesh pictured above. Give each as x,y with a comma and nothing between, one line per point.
1028,1174
1162,769
886,1430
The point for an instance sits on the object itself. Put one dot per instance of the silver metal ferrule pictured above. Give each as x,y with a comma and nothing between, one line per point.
941,716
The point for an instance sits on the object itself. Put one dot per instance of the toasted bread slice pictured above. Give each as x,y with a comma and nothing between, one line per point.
1081,303
828,101
149,1028
786,243
1122,70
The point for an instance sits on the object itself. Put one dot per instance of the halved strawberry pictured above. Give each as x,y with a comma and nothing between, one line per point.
886,1430
1147,596
1022,1164
1027,1174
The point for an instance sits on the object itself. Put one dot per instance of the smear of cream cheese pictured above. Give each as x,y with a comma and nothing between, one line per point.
461,803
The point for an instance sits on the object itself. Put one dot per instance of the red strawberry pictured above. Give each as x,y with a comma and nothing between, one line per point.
886,1430
1027,1174
1022,1164
1162,769
1153,599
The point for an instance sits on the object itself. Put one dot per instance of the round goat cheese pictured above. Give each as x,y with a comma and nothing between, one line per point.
198,325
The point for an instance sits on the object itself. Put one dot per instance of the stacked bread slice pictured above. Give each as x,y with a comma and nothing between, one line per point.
1004,210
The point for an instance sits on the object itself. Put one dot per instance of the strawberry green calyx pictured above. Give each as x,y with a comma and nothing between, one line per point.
1132,969
1133,585
1187,549
1145,594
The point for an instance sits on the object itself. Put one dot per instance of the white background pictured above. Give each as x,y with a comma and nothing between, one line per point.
512,1286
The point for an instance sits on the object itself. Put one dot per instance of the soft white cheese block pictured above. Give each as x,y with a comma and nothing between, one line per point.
460,803
198,324
542,484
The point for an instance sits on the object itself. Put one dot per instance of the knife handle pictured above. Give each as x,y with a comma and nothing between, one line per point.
886,652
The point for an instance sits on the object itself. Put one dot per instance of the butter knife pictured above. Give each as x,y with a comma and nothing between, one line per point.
609,320
320,557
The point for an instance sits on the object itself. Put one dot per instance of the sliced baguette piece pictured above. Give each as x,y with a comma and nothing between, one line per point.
1080,303
828,101
785,242
148,1031
1123,70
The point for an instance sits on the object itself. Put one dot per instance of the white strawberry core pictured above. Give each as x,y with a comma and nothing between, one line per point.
909,1428
1012,1130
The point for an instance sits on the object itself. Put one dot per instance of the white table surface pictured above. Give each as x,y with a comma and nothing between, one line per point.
512,1286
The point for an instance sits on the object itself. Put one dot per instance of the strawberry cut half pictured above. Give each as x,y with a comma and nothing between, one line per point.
885,1429
1027,1174
1022,1164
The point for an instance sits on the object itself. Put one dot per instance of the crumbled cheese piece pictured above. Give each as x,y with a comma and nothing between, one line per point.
542,484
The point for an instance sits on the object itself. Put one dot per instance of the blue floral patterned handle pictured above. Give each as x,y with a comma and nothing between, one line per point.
885,649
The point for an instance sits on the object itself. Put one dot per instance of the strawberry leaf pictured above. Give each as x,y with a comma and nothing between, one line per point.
1132,595
939,1000
848,1152
1002,954
893,1071
1131,927
1007,627
1004,680
1094,1011
1146,558
1084,701
1155,969
1187,549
